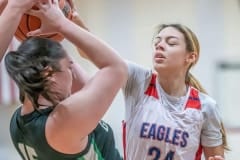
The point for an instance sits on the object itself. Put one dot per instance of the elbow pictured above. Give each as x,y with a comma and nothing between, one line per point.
122,72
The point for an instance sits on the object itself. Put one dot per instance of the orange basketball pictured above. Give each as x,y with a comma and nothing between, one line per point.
29,23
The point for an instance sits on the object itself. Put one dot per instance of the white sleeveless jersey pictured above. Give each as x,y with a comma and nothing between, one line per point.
156,130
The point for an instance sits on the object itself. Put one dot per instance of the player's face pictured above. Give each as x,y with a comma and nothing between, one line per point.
169,50
63,79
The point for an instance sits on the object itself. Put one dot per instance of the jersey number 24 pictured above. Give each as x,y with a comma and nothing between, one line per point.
156,152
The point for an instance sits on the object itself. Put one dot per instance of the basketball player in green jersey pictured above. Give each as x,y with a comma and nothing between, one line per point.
61,111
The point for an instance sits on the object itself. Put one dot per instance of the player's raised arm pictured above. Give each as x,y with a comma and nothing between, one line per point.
10,18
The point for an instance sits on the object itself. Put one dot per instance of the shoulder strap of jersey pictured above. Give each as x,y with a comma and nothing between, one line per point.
193,99
152,89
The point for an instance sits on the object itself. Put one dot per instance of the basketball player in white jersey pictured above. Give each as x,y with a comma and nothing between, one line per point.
169,116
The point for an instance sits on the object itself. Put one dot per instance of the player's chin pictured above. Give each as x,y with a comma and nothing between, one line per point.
158,61
158,65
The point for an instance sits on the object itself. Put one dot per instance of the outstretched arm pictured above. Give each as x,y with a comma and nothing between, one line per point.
9,20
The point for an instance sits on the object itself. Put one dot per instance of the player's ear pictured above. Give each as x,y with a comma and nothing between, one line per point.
191,58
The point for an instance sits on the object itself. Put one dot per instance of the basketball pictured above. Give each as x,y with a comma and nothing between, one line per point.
29,23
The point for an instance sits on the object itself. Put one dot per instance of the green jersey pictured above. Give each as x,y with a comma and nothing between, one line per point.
28,136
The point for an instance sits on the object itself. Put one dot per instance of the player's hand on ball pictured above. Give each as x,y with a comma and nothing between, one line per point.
72,4
50,15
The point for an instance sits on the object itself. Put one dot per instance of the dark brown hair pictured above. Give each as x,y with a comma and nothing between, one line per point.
29,68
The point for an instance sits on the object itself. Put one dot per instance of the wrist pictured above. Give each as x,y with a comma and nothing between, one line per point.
14,9
63,24
12,13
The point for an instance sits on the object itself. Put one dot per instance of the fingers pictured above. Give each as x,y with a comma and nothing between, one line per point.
72,5
41,1
75,18
55,2
41,7
33,12
75,14
216,158
34,33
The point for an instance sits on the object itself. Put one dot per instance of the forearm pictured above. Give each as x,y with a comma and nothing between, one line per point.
8,23
80,77
77,20
94,48
213,151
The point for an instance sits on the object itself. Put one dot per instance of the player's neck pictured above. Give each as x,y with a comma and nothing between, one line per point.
173,87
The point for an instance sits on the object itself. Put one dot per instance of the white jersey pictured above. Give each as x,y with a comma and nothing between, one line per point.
160,128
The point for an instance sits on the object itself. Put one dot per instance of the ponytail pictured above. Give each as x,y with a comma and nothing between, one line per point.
224,137
192,81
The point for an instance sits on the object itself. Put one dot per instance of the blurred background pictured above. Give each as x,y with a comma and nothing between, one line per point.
128,26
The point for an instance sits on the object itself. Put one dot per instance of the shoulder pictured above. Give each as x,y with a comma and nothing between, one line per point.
17,112
210,108
207,102
134,68
211,128
14,124
138,79
15,117
137,74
